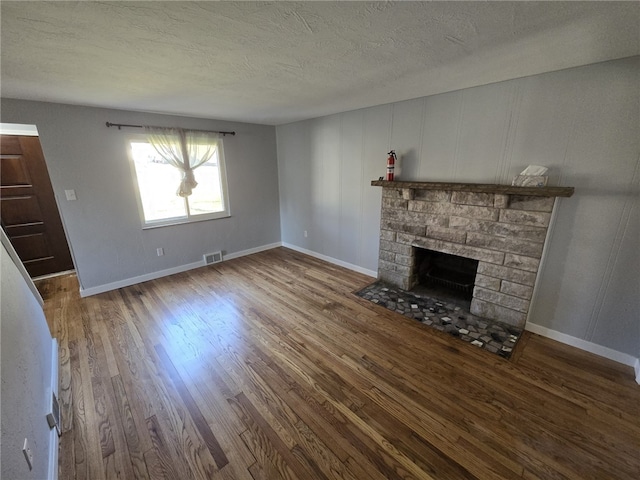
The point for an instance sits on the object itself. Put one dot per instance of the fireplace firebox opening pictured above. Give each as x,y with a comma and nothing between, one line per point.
449,277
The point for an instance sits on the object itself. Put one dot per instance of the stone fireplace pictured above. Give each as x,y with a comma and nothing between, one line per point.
503,228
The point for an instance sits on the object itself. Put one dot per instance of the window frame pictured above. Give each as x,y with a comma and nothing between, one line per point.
146,225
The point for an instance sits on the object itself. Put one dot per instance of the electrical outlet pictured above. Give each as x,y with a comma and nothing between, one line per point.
160,251
305,234
28,455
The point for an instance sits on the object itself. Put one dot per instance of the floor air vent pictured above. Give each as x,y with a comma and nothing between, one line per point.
215,257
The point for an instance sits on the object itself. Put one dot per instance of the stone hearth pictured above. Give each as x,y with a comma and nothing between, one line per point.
504,228
450,318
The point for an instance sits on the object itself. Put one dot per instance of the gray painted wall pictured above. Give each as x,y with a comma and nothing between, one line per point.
26,347
583,123
103,225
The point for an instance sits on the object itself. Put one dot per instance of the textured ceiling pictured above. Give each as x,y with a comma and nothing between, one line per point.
279,62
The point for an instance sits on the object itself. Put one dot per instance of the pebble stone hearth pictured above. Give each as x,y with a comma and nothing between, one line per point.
491,335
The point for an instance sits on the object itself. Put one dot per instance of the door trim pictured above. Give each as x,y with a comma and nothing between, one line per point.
18,129
6,243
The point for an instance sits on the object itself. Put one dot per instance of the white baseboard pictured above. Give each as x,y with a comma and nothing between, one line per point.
52,275
251,251
605,352
127,282
335,261
53,434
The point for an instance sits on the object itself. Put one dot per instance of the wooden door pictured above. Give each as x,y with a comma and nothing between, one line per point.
28,208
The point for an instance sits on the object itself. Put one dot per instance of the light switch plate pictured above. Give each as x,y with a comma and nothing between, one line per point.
71,194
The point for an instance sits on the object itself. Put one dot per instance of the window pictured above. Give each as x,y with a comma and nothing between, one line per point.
157,183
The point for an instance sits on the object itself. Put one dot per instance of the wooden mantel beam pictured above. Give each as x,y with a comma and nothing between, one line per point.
479,188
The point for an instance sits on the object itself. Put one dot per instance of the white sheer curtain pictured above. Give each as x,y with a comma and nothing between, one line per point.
184,149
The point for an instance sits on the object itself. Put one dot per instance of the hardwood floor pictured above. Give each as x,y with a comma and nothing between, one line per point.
268,367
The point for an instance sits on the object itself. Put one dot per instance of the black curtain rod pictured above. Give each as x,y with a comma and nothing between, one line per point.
120,125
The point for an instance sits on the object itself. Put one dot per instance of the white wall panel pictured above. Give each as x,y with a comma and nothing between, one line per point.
352,184
407,132
440,130
615,316
325,186
295,200
482,139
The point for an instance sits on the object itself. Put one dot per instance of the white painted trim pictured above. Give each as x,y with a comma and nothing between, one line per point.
637,368
52,275
250,251
6,243
54,366
18,129
335,261
53,434
605,352
127,282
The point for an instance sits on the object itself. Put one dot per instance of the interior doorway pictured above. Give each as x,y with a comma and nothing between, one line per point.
28,208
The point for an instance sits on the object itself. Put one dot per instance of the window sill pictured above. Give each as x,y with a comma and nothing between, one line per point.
173,223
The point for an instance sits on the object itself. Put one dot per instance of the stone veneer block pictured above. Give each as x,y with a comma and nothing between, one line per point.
394,279
392,192
405,238
447,234
395,268
501,201
394,203
388,235
508,301
536,204
403,227
491,310
534,234
470,198
395,247
483,213
432,195
408,193
387,256
507,273
403,259
504,244
536,219
521,262
479,254
414,218
488,282
517,290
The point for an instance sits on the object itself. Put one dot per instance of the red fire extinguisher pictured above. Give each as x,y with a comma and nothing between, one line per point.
391,161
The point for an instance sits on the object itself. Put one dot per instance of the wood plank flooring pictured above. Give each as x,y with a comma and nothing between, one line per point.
268,367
